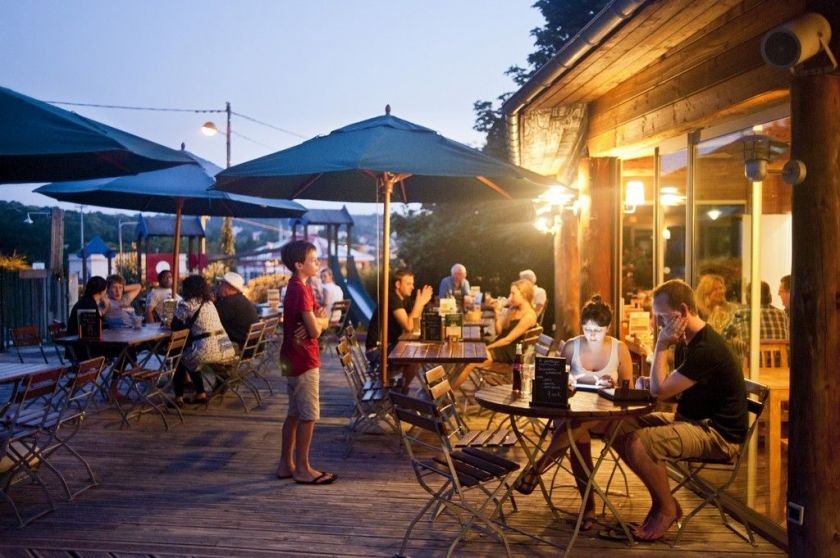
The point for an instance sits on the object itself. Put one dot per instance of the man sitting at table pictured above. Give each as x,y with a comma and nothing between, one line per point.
540,296
236,312
456,286
330,293
403,315
711,417
117,305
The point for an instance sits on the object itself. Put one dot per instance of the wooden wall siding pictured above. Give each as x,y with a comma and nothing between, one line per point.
553,140
647,37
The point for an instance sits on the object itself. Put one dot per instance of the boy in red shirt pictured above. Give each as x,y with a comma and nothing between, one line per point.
303,322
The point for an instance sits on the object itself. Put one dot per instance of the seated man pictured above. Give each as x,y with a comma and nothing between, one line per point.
236,312
402,317
711,418
456,286
331,293
116,306
540,296
157,295
773,324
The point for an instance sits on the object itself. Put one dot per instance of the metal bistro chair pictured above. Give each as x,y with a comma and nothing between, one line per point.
471,484
22,437
689,469
371,407
28,336
150,386
371,373
64,423
57,329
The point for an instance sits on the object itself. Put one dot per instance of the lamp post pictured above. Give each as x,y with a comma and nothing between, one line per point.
119,233
210,129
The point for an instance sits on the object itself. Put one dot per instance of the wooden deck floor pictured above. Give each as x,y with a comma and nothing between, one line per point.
206,488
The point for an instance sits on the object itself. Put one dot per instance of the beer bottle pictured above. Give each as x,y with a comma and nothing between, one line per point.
517,369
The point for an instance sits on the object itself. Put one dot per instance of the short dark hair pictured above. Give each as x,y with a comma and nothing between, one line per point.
596,310
116,278
402,272
678,292
785,281
295,252
95,284
162,273
195,286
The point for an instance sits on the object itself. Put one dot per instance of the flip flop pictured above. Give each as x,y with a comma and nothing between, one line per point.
617,534
323,478
528,483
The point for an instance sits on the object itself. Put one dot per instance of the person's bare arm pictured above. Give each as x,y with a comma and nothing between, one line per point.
625,366
130,292
315,323
406,319
527,321
665,386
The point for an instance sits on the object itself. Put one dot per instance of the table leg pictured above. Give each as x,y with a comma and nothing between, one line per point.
774,457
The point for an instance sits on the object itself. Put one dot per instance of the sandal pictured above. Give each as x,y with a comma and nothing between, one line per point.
528,482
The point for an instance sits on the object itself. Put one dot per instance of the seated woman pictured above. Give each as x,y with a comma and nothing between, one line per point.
207,343
594,358
94,292
511,325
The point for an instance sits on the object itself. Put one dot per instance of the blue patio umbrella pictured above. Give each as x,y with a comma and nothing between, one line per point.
40,142
179,190
366,161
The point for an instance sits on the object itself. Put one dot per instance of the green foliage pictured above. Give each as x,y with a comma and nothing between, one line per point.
228,239
13,262
494,240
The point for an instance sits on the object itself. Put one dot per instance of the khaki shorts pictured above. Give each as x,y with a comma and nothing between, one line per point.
304,400
666,438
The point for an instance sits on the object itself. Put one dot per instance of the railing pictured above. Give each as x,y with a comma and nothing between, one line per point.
30,297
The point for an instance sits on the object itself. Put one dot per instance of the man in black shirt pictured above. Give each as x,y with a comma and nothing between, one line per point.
402,317
708,386
236,312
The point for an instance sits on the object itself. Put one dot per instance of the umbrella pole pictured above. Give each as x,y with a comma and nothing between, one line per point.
176,247
387,185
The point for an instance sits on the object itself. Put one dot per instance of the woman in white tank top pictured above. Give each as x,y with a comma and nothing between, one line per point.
596,359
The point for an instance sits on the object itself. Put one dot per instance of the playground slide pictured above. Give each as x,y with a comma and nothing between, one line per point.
361,309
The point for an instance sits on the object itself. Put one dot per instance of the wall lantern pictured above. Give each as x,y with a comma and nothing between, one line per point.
758,151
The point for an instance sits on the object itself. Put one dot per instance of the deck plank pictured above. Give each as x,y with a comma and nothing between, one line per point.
206,489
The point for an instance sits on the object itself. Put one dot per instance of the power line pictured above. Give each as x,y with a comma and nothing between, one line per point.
168,109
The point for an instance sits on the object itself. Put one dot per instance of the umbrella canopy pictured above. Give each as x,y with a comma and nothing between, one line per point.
393,154
41,142
179,190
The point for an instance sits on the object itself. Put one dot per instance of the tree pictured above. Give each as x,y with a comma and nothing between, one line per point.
563,19
228,238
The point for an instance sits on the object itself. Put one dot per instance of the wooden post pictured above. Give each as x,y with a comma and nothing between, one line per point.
57,241
176,247
386,182
814,455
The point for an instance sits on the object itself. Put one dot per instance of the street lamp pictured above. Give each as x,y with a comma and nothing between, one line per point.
29,215
210,129
119,232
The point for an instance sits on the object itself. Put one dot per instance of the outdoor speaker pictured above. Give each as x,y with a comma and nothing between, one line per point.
795,41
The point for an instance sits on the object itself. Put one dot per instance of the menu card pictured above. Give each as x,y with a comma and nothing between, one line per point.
90,324
454,324
431,327
551,382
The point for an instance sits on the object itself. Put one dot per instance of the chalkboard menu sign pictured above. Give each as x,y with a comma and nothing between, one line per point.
90,324
551,382
454,324
432,327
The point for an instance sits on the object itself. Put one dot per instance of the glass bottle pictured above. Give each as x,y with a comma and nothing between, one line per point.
517,369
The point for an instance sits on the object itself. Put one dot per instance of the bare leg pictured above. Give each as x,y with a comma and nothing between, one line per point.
303,469
664,508
465,373
287,461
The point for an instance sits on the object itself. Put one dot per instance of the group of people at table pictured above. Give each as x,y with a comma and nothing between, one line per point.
692,367
701,375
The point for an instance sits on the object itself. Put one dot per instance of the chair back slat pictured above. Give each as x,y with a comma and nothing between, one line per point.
417,412
43,384
251,343
26,336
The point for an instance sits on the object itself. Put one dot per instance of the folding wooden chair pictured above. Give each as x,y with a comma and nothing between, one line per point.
27,336
437,387
233,376
337,322
57,329
471,484
148,387
64,423
499,372
22,437
371,407
711,489
371,372
774,354
262,357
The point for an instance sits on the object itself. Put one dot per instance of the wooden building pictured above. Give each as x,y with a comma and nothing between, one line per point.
646,112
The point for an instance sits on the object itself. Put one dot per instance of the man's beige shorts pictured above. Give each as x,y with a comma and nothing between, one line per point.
666,438
304,398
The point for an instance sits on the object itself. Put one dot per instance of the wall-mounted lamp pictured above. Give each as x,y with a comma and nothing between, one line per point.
670,196
634,196
29,214
549,207
758,151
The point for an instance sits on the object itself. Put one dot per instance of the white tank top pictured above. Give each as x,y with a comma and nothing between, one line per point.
611,367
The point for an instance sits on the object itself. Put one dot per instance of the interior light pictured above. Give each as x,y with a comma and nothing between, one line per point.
666,233
634,195
670,196
714,214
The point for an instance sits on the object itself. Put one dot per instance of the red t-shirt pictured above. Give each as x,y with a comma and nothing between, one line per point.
298,355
